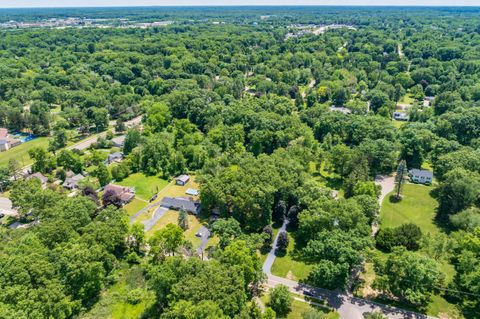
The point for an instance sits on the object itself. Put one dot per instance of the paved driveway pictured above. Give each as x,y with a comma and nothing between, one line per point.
267,265
204,238
159,212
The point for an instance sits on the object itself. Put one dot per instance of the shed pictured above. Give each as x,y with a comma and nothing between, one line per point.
182,180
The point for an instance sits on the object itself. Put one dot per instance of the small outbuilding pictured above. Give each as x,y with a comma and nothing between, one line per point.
192,192
182,180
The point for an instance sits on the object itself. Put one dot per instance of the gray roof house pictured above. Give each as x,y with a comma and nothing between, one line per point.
178,203
72,182
400,116
118,141
42,178
114,158
421,176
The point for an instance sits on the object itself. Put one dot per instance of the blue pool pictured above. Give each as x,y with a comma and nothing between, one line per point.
24,137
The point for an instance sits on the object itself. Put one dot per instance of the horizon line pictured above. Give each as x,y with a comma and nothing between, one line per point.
248,5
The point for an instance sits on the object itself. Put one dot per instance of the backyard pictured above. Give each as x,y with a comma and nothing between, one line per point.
145,186
20,152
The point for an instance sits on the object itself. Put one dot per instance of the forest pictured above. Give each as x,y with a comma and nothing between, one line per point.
280,123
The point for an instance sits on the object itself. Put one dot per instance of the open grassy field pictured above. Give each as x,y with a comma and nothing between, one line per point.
288,266
20,152
145,186
113,301
417,206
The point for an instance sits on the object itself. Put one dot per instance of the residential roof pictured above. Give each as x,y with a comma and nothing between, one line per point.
73,181
185,203
125,193
183,178
421,172
39,176
3,132
119,140
192,192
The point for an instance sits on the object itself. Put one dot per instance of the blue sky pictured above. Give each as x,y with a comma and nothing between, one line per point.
91,3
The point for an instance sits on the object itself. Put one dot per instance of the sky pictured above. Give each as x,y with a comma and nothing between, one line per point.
102,3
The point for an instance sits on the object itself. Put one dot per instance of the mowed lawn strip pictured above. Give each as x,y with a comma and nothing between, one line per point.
145,186
20,152
417,206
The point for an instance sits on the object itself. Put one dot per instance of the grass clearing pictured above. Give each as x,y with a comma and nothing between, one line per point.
113,301
20,152
288,266
417,206
145,186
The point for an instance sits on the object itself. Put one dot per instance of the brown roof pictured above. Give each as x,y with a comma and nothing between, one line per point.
125,193
3,132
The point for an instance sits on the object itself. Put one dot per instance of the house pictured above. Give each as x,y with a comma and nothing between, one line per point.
7,143
427,101
342,109
42,178
177,203
421,176
182,180
400,116
125,194
4,146
192,192
6,208
114,158
118,141
72,182
3,132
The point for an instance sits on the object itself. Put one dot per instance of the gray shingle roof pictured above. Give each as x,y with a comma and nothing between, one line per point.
178,203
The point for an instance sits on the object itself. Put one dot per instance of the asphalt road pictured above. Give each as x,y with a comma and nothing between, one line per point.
347,306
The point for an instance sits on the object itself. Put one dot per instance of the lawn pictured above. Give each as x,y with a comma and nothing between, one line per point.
134,206
20,152
417,206
145,186
407,99
171,217
288,267
113,301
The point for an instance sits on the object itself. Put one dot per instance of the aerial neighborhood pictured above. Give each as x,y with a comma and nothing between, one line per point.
250,162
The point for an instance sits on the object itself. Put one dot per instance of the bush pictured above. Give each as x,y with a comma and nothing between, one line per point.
406,235
282,243
134,296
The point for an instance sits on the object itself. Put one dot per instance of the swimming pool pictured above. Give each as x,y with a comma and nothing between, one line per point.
23,137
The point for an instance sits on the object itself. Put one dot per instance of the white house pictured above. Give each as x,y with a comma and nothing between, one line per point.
421,176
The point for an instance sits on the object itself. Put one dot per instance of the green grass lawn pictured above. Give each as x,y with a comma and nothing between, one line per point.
417,206
407,99
145,186
288,267
134,206
20,152
113,301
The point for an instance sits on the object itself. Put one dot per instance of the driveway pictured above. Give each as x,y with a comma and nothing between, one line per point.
159,212
388,185
267,265
204,238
